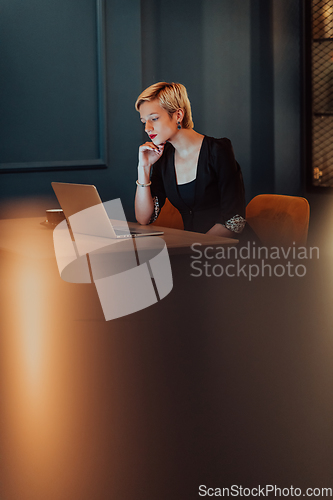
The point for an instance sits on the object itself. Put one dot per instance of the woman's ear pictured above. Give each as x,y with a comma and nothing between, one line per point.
180,115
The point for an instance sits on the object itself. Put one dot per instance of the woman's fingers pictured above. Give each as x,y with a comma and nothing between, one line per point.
149,146
149,153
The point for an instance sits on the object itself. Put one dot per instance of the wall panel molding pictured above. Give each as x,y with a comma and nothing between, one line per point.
38,92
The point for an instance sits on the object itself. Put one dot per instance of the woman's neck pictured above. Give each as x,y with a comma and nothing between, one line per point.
186,141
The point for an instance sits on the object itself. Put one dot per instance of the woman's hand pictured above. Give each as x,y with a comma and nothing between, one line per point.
219,230
149,153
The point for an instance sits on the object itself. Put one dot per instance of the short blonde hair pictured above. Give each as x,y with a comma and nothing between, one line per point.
172,96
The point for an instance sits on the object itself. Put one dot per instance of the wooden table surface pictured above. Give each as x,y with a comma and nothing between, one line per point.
28,237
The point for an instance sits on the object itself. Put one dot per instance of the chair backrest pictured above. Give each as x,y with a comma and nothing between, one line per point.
169,217
279,220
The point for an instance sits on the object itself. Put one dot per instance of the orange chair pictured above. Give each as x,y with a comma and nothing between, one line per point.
279,220
169,217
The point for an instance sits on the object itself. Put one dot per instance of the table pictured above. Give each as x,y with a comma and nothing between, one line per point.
225,381
27,236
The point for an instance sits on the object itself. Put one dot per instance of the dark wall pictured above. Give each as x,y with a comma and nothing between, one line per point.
239,59
48,84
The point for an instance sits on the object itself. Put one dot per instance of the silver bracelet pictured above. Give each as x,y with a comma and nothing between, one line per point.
143,185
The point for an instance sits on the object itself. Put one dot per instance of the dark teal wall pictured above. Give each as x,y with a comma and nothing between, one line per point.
48,81
240,60
289,174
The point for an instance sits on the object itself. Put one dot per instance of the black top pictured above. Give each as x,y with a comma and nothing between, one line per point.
219,188
187,193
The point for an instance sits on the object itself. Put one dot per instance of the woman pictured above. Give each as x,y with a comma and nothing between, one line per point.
197,173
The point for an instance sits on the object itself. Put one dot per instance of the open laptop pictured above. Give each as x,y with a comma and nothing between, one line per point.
74,198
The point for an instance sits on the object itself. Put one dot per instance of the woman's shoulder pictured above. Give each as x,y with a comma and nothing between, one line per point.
220,148
218,143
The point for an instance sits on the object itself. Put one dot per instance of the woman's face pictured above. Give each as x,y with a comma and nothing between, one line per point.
158,124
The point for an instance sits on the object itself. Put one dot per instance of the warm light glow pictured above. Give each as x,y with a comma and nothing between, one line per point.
328,12
328,20
36,417
30,309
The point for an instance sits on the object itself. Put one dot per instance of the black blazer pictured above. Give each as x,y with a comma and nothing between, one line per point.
219,187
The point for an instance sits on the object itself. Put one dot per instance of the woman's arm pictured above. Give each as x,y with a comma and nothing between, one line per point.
231,189
144,205
220,230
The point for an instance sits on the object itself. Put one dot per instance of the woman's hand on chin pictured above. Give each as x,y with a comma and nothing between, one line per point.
149,153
